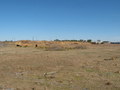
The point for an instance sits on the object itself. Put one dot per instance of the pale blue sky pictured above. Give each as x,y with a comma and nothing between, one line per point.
60,19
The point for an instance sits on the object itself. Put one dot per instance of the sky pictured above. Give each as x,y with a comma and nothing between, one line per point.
60,19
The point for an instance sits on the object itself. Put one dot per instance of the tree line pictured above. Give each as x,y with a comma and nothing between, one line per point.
81,40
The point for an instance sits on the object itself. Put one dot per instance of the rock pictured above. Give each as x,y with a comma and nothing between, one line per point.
117,72
112,58
107,83
50,74
33,88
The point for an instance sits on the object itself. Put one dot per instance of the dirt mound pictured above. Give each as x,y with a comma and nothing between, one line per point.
51,45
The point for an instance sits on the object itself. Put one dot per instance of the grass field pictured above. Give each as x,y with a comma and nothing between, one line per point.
28,68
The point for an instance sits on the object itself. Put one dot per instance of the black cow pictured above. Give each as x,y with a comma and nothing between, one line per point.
36,45
18,45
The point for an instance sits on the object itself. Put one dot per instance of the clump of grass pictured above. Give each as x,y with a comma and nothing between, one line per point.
55,48
25,46
80,47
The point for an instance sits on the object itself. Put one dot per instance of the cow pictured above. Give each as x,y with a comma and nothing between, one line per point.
18,45
36,45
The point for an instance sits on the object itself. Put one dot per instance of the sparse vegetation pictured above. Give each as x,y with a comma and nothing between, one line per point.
89,40
56,45
77,66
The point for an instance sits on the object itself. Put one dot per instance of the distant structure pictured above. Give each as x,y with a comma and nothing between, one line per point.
99,42
115,42
106,42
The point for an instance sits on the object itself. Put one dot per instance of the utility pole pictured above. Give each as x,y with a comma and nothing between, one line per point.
33,38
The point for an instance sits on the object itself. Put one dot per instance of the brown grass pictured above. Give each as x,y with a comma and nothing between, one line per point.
77,69
53,45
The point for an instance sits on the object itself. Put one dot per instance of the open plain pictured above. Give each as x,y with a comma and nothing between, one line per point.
28,68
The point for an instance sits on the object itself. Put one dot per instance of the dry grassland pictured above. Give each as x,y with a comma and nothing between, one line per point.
96,67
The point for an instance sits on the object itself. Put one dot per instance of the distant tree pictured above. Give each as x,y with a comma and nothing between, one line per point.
73,40
89,40
81,40
65,40
56,40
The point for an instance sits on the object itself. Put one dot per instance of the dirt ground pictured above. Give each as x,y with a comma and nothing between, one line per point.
28,68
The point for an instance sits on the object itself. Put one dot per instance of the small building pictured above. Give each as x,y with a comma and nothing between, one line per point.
98,41
106,42
115,42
